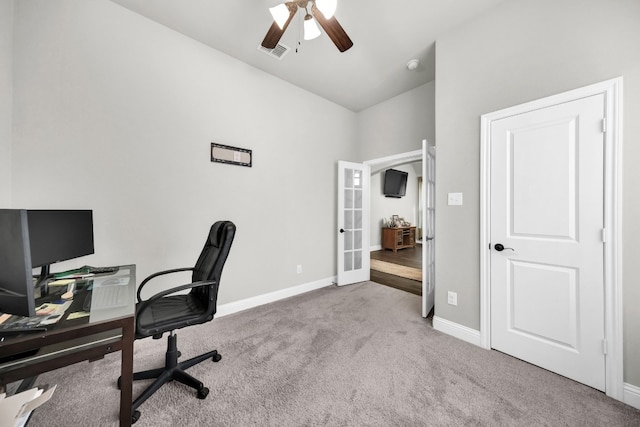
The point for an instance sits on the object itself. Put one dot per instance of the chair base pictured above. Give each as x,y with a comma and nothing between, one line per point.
170,372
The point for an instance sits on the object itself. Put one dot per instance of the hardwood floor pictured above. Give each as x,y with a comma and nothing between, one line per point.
410,257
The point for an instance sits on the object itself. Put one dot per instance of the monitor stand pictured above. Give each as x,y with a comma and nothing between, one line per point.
42,283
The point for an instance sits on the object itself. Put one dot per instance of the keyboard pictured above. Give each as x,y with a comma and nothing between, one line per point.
105,297
87,269
99,270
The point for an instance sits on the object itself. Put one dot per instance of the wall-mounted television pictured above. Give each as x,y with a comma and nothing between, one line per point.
395,183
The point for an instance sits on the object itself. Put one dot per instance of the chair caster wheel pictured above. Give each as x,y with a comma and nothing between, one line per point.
179,354
216,357
135,417
203,393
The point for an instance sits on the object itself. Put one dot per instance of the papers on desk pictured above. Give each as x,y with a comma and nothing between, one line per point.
15,409
61,282
50,313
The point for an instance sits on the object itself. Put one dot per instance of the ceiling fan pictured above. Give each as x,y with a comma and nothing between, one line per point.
321,10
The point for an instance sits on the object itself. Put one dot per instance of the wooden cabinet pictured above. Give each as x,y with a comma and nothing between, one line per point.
398,238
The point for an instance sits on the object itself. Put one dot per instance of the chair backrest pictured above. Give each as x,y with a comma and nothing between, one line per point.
210,263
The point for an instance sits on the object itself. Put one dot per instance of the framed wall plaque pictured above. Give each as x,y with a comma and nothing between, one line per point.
231,155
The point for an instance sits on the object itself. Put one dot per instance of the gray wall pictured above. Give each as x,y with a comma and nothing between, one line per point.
6,99
116,113
398,125
520,51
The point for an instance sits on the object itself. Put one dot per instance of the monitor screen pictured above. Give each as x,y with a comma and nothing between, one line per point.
59,235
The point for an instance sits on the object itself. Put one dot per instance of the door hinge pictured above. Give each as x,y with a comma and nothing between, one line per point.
603,235
604,125
604,346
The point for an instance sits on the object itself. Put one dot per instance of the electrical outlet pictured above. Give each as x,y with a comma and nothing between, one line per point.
299,269
452,298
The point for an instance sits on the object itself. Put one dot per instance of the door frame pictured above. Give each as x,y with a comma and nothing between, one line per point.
612,90
380,164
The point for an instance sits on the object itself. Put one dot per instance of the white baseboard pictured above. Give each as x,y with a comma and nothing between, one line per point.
632,395
454,329
375,248
236,306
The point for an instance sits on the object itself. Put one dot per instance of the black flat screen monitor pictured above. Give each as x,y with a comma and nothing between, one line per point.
59,235
16,279
37,238
395,183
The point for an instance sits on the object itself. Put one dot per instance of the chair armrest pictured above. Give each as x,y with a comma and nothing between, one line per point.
160,273
142,305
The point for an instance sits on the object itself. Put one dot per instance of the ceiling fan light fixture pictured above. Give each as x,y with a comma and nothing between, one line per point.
327,7
311,30
280,14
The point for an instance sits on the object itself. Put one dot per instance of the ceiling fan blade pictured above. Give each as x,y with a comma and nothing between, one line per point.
275,32
333,29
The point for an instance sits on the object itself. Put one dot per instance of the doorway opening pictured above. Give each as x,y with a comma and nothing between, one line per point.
413,256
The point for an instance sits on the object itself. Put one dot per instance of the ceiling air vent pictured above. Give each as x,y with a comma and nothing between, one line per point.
277,52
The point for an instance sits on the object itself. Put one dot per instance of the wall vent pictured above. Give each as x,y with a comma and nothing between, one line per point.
277,52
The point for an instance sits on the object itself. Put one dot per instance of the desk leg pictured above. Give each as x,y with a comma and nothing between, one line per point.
126,372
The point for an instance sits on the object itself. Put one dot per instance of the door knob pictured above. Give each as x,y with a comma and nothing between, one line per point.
342,230
500,247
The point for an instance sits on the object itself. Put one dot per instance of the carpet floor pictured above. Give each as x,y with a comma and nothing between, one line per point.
359,355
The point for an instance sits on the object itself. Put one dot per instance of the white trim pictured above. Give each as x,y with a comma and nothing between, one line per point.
612,89
456,330
423,221
614,322
395,160
245,304
632,395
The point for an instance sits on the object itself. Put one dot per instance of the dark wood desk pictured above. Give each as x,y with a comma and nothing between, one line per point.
89,338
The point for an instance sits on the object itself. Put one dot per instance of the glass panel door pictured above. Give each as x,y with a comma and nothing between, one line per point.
353,239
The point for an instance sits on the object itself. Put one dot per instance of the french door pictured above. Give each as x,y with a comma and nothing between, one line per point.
353,223
428,227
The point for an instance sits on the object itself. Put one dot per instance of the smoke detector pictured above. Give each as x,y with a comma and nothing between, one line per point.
413,64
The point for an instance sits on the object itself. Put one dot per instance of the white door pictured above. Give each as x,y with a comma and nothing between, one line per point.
428,227
546,234
353,223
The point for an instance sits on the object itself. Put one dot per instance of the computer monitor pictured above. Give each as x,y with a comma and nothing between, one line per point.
59,235
37,238
16,279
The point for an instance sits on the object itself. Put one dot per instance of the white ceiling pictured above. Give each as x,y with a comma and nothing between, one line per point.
386,35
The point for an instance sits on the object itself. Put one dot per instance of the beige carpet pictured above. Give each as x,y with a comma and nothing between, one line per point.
397,270
358,355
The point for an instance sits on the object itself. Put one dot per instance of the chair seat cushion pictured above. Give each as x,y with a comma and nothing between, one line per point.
169,313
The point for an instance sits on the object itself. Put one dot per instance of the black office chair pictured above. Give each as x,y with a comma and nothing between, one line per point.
165,312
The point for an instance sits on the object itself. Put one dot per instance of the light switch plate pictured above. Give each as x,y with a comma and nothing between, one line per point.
454,199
